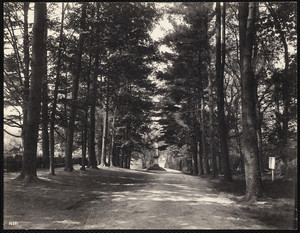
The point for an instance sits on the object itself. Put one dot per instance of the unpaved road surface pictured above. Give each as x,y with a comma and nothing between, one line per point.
114,198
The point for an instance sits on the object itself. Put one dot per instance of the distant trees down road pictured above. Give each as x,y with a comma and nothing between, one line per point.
88,80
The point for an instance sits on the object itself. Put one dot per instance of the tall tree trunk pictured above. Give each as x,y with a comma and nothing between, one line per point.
45,114
199,159
194,145
218,82
111,148
109,155
257,104
128,159
211,128
144,165
222,128
238,140
66,127
203,130
258,123
105,129
26,69
83,148
57,79
76,77
249,139
121,157
84,138
86,114
99,144
117,156
259,138
86,130
125,165
128,133
203,59
124,157
85,123
28,172
92,152
194,160
199,139
93,97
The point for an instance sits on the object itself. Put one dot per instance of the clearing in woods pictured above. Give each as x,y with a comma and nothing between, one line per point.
116,198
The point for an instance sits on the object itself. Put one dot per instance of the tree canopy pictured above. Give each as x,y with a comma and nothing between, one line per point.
221,97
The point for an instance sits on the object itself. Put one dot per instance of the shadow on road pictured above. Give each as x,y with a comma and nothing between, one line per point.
115,198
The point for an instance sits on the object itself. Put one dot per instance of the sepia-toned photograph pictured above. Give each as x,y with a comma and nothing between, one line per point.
150,116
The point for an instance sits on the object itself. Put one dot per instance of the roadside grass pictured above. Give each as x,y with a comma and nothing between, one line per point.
61,201
275,208
65,201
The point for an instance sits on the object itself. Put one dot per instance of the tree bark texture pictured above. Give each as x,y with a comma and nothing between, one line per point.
57,78
203,137
104,136
117,156
203,59
238,141
199,159
86,115
45,114
84,133
194,160
257,103
249,139
222,128
112,144
211,128
128,159
93,97
258,127
76,77
99,144
121,157
26,69
34,105
92,151
129,127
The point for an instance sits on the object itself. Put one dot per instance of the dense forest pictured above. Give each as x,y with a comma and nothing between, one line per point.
88,81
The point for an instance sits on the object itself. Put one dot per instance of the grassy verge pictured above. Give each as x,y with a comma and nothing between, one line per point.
275,208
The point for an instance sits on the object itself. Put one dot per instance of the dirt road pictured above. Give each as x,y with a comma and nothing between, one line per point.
169,200
114,198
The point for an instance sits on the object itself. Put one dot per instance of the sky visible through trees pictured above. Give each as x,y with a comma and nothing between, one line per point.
212,86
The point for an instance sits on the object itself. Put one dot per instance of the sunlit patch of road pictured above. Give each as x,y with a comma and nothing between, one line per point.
168,200
115,198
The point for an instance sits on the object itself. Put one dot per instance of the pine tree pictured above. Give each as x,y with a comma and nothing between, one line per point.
28,172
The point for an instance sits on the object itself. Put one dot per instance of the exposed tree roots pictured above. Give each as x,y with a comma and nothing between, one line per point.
28,179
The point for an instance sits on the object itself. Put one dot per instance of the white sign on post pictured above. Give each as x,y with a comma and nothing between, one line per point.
272,163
